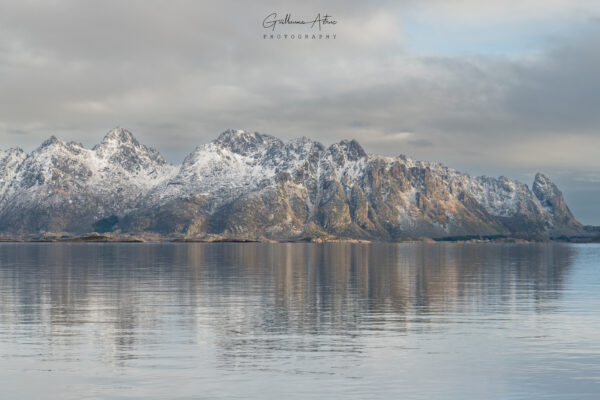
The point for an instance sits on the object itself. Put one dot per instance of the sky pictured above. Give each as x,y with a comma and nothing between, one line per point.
489,88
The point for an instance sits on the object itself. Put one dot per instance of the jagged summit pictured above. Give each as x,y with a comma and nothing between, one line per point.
543,185
117,139
552,200
121,136
546,191
120,147
351,148
236,133
244,142
52,140
251,185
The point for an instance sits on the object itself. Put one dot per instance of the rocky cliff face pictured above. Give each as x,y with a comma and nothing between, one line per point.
249,185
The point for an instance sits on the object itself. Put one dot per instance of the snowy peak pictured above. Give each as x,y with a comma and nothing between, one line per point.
551,198
120,136
350,149
50,142
118,141
545,190
245,142
547,193
120,148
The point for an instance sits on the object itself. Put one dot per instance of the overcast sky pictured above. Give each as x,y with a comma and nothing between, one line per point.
496,88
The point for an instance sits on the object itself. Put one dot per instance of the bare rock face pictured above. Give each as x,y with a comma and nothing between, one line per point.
254,186
551,199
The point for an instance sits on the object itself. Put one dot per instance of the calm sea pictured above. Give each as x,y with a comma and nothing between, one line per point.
298,321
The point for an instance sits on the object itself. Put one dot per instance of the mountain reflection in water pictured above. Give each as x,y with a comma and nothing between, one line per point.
267,320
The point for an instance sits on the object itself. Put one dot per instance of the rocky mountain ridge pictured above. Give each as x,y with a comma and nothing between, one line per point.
254,186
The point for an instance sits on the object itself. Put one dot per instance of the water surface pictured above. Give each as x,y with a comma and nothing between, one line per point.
355,321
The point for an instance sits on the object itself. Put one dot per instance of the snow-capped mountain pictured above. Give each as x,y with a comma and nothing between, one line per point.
250,185
65,187
236,163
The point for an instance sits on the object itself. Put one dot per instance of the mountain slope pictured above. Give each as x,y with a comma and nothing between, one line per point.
250,185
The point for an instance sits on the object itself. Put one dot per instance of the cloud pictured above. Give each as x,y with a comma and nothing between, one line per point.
474,11
588,178
421,143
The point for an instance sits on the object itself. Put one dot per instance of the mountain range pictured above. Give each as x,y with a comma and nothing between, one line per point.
251,186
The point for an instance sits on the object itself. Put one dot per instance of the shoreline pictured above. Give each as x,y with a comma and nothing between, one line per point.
314,240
